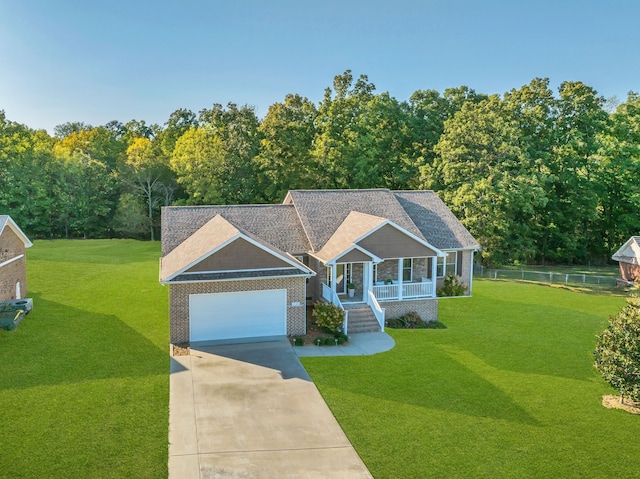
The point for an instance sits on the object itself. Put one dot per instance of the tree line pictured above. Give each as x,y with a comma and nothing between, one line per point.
536,176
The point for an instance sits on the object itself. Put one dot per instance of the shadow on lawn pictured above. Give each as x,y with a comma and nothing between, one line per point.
435,380
528,338
58,344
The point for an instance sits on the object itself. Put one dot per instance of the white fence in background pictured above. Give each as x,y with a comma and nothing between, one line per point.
545,277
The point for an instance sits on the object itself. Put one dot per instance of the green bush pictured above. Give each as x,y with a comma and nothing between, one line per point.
341,337
318,342
330,341
328,316
617,354
298,341
413,320
452,287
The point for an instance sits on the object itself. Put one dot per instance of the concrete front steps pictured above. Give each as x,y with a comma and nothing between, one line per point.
361,319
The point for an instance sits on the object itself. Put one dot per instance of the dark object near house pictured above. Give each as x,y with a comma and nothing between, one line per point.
13,311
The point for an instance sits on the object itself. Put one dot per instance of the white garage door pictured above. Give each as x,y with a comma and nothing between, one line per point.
247,314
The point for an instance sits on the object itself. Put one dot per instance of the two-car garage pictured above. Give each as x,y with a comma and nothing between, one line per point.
237,315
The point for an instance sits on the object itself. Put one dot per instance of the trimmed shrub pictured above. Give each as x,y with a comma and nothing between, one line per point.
328,316
298,342
330,341
452,287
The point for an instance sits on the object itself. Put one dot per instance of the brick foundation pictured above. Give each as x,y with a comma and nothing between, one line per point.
426,308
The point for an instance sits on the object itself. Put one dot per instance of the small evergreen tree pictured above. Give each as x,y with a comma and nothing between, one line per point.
617,354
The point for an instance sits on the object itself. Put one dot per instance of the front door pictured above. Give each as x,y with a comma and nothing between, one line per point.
343,276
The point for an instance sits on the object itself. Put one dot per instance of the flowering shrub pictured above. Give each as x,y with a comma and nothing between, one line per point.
328,316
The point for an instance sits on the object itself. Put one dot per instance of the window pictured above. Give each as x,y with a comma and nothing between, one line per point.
448,265
375,273
407,268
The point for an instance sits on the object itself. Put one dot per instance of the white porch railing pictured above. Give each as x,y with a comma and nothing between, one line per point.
387,292
378,312
330,295
390,292
417,290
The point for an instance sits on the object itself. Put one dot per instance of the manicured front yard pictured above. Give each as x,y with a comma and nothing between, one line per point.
508,391
84,386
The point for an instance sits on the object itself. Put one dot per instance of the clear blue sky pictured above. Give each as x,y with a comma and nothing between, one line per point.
96,61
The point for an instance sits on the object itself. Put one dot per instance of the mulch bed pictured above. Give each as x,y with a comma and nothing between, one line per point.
313,330
613,402
180,350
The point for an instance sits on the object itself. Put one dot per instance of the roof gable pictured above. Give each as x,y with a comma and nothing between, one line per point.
390,241
7,223
278,225
215,235
239,254
321,212
376,237
629,252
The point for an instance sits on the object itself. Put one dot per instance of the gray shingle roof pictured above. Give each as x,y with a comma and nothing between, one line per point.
435,220
277,225
309,218
352,228
322,211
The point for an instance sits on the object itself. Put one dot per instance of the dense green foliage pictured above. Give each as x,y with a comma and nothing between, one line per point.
84,389
617,354
535,176
507,391
328,316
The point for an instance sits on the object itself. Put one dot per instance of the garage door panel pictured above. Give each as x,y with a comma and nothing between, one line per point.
246,314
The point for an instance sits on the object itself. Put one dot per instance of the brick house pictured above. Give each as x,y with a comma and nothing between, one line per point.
628,258
13,264
237,272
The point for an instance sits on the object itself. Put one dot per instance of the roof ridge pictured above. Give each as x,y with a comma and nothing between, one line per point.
342,190
304,230
252,205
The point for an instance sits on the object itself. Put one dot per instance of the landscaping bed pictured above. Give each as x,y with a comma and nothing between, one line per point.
314,333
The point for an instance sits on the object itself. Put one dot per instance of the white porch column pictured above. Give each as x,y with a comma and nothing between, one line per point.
434,271
471,274
400,278
366,275
334,278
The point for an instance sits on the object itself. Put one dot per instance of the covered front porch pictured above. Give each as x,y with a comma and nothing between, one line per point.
388,280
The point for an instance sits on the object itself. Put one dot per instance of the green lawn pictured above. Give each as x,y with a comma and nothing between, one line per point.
84,385
507,391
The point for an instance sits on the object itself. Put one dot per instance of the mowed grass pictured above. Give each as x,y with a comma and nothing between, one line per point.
507,391
84,384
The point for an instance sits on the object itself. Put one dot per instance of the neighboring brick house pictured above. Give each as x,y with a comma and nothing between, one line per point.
237,272
13,263
628,257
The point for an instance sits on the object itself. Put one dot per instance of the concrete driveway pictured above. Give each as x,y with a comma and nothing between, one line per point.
251,411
